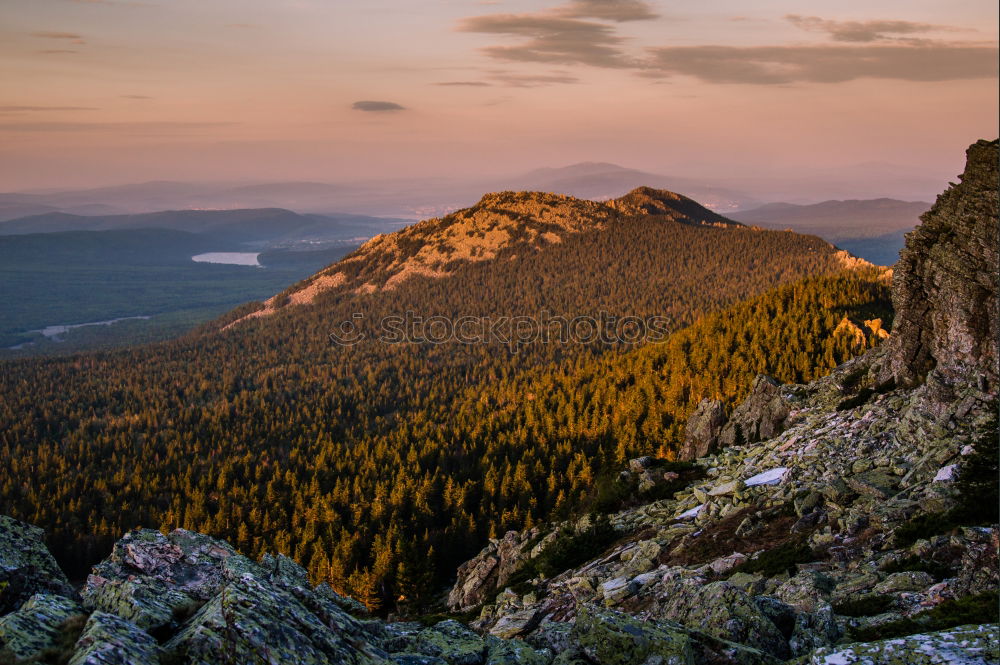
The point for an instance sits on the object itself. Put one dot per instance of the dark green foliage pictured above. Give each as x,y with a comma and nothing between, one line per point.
978,609
923,526
779,560
571,549
915,563
865,606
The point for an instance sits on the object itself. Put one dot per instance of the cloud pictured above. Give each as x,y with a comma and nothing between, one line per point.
50,34
771,65
136,97
550,39
377,107
609,10
515,80
471,84
54,51
863,31
30,109
561,35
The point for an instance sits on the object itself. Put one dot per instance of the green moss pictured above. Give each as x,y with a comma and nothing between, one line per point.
781,559
978,609
865,606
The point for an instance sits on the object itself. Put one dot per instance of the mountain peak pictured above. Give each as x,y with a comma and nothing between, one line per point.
499,222
650,201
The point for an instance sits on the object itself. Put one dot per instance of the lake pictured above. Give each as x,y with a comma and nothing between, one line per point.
229,258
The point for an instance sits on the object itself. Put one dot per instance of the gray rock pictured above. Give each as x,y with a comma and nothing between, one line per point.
111,640
26,566
703,430
36,625
965,645
763,415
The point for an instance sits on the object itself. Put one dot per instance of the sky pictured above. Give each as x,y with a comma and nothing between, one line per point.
97,92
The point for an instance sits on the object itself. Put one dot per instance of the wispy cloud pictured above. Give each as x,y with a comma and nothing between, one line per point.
563,34
55,51
610,10
136,97
53,34
863,31
770,65
520,80
377,107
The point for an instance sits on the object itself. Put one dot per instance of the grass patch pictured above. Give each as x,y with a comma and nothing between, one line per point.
865,606
978,609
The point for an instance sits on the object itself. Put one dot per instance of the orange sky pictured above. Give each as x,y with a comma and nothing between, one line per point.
111,91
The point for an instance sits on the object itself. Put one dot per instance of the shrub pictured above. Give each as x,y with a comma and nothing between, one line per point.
865,606
914,564
978,609
781,559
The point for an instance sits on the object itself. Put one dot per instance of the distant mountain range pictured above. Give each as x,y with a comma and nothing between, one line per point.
873,229
229,229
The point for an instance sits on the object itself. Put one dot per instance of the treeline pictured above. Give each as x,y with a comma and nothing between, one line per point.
381,467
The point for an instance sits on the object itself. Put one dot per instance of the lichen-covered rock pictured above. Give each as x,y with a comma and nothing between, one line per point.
606,637
490,569
26,566
703,430
762,415
723,611
36,625
448,640
514,652
945,285
149,575
965,645
111,640
250,619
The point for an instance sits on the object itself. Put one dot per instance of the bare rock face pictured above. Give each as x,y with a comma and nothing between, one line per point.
703,430
489,570
945,285
762,415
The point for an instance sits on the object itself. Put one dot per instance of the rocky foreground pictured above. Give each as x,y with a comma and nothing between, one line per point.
850,520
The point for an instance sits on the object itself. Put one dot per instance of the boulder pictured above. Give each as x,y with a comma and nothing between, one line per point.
26,566
250,619
491,569
724,611
111,640
150,576
36,625
703,430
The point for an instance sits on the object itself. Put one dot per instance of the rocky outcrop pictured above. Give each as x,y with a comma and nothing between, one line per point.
492,568
945,284
703,430
965,645
762,415
26,566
